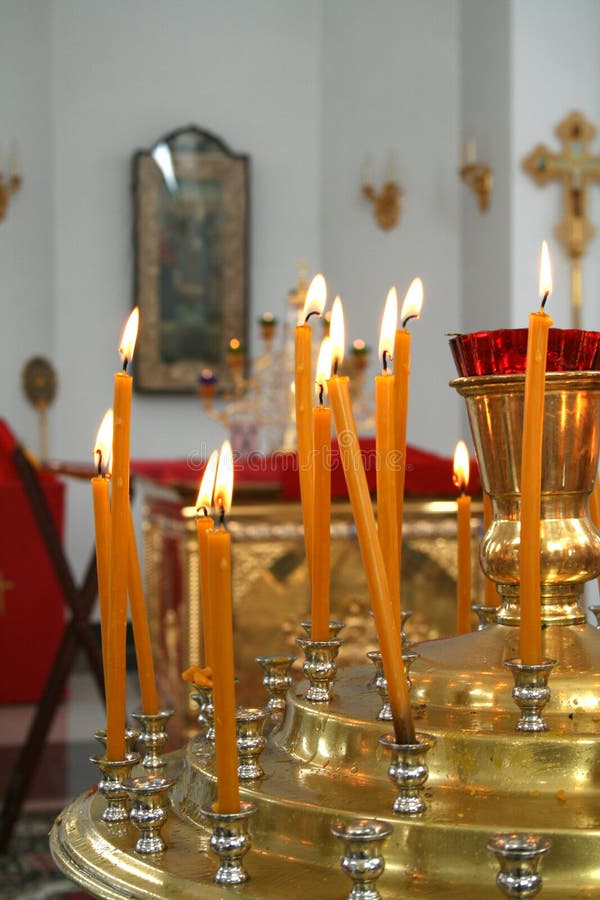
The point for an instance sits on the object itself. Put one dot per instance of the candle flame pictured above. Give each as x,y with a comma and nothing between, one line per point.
103,445
224,479
461,466
234,344
207,485
337,335
316,297
411,308
129,336
323,367
388,326
545,273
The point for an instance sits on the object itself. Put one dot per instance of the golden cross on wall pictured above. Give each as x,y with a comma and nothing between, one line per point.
4,586
575,166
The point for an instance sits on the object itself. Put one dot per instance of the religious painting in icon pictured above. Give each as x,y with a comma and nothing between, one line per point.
191,258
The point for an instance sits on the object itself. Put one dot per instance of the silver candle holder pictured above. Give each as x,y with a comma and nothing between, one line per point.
153,736
531,692
380,681
150,804
319,667
486,615
405,615
409,772
230,841
363,861
111,785
335,626
131,738
203,696
277,680
519,856
250,741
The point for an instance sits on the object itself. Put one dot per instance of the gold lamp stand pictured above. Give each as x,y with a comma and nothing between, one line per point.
487,782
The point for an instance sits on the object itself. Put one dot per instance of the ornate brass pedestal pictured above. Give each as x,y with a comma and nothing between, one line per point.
325,763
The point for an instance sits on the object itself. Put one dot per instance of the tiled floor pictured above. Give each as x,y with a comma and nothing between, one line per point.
63,772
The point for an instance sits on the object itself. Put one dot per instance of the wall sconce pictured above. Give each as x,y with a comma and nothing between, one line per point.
477,176
9,183
386,203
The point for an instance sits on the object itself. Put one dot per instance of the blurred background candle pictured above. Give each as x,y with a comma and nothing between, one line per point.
531,472
314,304
101,500
411,309
204,524
386,454
463,503
321,554
119,550
219,591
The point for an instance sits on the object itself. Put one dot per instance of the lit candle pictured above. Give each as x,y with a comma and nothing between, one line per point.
119,551
387,462
204,524
313,306
101,499
320,569
463,503
490,590
531,472
219,591
358,491
411,309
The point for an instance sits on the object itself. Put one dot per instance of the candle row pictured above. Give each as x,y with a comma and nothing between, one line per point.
119,573
380,543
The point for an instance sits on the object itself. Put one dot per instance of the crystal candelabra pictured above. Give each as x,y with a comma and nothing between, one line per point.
257,406
480,793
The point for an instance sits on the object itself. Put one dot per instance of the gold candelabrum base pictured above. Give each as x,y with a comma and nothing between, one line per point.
570,545
325,763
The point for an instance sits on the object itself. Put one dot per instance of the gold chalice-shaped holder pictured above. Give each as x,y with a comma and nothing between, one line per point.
325,763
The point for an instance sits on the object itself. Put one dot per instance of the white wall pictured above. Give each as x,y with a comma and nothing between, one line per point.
26,260
125,73
390,85
556,68
486,119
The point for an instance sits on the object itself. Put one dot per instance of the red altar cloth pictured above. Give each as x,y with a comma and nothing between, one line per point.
427,474
31,603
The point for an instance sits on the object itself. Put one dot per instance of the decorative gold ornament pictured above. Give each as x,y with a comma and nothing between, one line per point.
479,178
39,385
386,203
9,183
575,166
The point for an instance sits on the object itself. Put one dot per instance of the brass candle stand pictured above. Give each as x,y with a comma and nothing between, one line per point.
326,762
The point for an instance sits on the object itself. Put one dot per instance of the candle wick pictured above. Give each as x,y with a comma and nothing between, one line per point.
336,363
125,361
407,319
313,312
321,392
99,455
546,295
384,360
222,516
201,511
